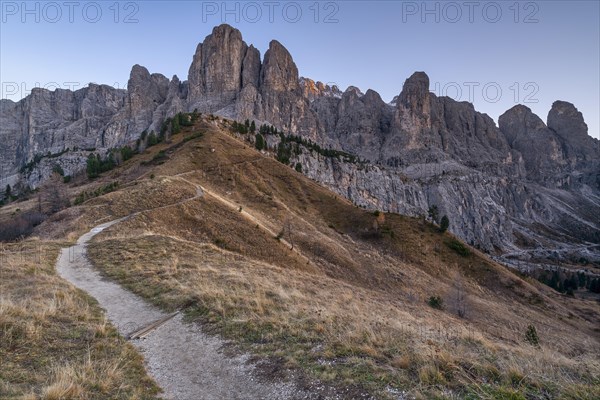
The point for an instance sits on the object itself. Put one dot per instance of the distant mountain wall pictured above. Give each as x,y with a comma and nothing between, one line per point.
525,188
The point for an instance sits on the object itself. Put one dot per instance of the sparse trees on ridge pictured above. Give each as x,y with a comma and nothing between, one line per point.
434,213
444,224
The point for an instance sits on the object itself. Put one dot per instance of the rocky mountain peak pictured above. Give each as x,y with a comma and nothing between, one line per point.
415,93
279,72
215,76
567,121
354,91
373,97
139,72
251,67
518,122
312,90
423,141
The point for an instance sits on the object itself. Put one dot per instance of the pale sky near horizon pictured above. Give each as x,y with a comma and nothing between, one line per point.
494,54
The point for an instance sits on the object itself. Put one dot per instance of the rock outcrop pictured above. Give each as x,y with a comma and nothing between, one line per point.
525,188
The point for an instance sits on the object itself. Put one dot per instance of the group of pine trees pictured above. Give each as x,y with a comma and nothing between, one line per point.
288,144
564,283
170,126
434,216
96,165
245,128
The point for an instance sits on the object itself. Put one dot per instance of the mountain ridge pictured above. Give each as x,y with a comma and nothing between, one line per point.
494,181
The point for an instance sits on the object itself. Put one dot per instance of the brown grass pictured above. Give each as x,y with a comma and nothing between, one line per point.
349,303
54,340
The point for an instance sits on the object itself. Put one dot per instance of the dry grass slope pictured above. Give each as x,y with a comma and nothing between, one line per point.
348,304
54,341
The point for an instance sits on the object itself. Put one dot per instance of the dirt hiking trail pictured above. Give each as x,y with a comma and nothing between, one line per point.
185,362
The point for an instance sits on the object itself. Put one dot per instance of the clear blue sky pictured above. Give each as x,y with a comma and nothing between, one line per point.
535,53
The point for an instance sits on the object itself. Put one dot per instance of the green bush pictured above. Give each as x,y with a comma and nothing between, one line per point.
284,152
187,119
83,196
160,156
436,302
299,167
531,336
259,142
193,136
126,153
152,139
175,125
96,165
434,213
444,224
93,166
58,169
458,247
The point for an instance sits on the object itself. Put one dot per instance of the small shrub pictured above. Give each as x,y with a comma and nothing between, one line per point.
20,226
531,336
152,139
126,153
298,167
79,199
436,302
58,169
159,157
175,124
193,136
280,234
386,230
444,224
220,243
284,152
83,196
96,165
434,213
458,247
259,142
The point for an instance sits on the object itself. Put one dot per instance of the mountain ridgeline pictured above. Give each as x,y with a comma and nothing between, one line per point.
526,190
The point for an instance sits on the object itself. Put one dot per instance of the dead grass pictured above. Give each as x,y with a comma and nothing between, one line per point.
348,305
54,341
335,331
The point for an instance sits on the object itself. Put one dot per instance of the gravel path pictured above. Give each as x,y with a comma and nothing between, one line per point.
185,362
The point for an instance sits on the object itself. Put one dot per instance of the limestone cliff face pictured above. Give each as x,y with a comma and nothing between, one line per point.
228,78
525,187
215,76
282,100
62,127
48,123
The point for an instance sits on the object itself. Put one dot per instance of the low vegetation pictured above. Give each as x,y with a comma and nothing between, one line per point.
104,189
376,302
54,341
288,145
20,225
458,246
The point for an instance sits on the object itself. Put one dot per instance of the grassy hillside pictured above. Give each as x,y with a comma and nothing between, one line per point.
294,273
54,341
